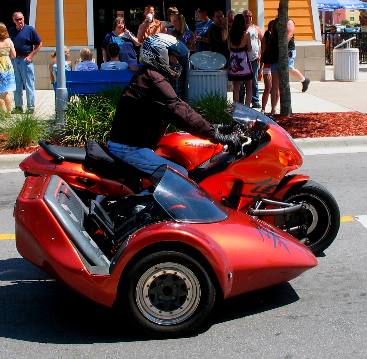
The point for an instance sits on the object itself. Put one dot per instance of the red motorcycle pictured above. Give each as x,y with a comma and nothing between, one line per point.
256,180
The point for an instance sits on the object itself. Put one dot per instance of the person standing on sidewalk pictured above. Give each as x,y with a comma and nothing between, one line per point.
150,26
201,29
291,26
266,65
7,79
27,43
218,35
256,35
274,49
239,66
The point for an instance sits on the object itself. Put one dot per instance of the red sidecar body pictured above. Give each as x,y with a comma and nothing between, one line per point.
235,251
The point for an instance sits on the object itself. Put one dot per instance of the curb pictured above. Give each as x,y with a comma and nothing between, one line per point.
328,145
10,161
317,145
13,157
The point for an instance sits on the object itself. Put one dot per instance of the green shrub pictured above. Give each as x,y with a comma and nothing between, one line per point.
214,108
3,115
23,131
89,118
4,119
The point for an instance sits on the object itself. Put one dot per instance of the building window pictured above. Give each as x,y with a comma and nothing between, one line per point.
351,18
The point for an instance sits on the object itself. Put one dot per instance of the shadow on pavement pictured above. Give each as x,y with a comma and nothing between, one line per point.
35,308
256,302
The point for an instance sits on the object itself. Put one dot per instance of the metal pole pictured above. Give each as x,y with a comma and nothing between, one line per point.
164,10
61,91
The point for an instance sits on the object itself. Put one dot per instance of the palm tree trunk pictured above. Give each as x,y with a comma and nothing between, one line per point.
284,89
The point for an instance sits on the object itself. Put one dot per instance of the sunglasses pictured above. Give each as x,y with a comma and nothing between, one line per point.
19,19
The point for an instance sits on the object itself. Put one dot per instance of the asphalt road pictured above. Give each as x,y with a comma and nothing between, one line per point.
322,314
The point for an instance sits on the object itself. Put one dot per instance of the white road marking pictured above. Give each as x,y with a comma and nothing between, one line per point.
9,170
362,220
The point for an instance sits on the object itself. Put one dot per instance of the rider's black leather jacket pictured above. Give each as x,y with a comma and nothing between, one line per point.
146,108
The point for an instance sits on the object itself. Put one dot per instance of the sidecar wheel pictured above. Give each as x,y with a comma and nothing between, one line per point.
168,293
322,216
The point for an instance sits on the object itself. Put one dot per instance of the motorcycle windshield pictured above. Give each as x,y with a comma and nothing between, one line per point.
183,200
245,114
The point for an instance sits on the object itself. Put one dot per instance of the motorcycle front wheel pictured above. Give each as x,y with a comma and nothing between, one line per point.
319,223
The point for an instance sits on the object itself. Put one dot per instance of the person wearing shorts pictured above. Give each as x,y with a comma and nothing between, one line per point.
266,65
295,73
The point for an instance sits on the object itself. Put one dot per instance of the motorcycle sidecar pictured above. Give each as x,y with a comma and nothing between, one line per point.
169,260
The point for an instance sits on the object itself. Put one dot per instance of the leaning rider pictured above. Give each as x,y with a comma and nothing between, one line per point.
149,104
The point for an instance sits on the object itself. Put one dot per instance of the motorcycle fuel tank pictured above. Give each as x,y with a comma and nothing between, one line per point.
187,150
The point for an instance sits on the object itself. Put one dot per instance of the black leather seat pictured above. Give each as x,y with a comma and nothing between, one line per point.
61,154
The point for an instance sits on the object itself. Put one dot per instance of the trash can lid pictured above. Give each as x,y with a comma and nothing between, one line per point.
208,60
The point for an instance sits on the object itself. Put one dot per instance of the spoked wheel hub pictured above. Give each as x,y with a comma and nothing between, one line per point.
168,293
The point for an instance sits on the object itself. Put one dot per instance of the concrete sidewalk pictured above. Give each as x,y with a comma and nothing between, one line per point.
328,95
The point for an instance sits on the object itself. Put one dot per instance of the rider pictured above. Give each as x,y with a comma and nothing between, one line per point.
149,104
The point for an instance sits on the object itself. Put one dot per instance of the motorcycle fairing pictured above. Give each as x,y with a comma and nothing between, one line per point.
244,254
289,182
260,172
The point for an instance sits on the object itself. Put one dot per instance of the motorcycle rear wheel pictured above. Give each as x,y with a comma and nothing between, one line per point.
322,216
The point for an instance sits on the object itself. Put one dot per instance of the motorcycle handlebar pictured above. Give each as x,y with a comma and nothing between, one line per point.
247,134
245,141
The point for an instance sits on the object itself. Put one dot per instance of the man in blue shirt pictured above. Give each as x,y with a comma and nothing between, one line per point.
201,30
27,42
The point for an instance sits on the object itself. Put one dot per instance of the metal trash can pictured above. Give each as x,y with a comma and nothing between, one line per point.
346,62
206,76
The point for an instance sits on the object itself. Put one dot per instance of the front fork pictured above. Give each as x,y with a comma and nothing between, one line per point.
261,207
285,208
276,198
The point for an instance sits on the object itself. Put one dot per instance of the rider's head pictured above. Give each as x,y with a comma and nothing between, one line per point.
162,52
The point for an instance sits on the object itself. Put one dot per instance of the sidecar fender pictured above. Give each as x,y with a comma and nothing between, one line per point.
173,236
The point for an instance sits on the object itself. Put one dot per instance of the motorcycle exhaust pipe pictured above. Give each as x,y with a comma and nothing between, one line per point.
276,211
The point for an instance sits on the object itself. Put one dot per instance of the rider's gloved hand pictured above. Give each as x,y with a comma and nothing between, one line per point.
225,129
232,141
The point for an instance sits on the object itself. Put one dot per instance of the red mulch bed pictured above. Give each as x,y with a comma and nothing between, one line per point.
299,125
334,124
3,151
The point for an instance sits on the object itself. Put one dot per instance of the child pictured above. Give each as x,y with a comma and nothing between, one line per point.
53,65
114,64
87,62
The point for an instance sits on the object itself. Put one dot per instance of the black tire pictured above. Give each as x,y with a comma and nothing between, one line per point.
168,293
322,216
